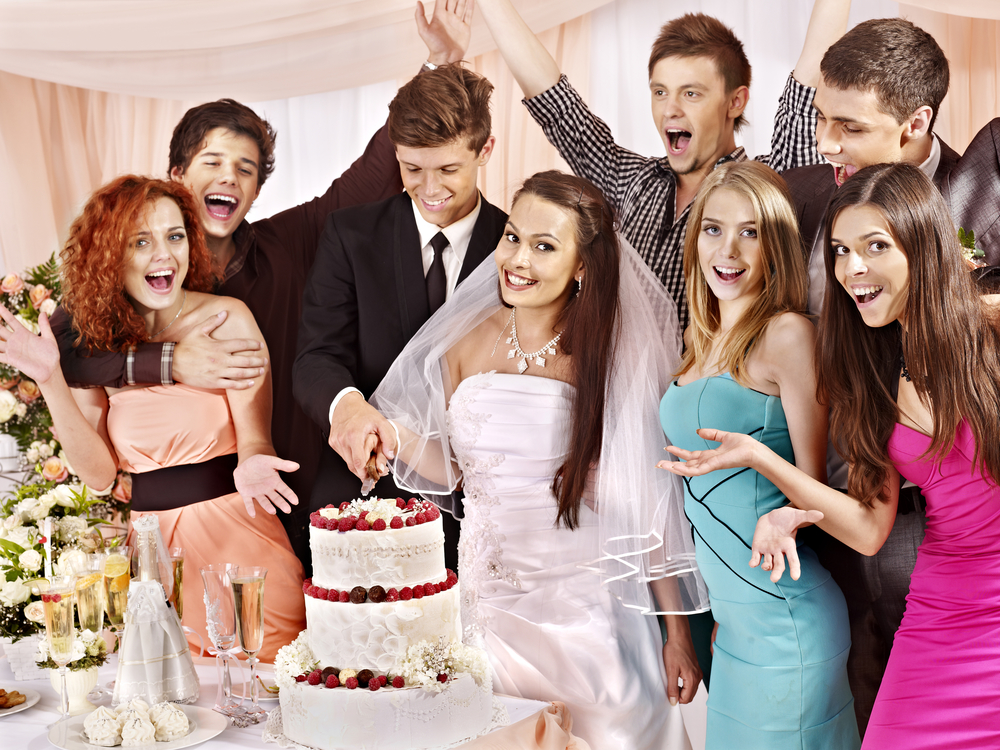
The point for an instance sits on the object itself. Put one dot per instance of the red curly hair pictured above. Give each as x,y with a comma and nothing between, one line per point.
98,250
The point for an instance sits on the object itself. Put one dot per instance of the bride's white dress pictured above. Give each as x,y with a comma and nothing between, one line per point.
551,631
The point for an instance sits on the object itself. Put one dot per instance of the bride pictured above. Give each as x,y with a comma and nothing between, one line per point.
537,372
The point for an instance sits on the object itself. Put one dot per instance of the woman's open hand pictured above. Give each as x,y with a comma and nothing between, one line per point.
736,451
774,540
257,480
35,356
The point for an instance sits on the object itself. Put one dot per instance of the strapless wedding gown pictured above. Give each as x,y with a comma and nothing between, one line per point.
551,631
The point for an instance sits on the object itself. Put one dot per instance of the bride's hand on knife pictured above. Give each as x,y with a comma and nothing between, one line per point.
735,451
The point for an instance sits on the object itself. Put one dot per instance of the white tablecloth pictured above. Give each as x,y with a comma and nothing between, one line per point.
27,729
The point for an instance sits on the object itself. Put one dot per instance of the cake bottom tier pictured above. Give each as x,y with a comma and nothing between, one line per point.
387,719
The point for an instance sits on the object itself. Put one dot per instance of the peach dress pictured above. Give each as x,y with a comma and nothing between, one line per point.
161,426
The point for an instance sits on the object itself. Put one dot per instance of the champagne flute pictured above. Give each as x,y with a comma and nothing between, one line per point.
177,565
248,598
220,619
90,592
58,603
117,567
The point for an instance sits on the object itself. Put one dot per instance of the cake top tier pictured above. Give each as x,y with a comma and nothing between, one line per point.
377,542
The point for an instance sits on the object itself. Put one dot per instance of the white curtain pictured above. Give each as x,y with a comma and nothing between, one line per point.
92,88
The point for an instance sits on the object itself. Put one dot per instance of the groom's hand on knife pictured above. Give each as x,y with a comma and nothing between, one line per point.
357,430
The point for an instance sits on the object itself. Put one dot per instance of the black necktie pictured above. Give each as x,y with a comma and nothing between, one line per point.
437,281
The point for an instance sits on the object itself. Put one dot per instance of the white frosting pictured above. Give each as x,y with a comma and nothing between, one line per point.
136,704
137,730
389,558
102,727
386,719
171,723
376,636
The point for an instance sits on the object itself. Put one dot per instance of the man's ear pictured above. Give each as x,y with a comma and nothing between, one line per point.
918,124
177,174
738,101
487,150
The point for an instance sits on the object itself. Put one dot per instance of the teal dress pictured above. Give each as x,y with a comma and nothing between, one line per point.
779,671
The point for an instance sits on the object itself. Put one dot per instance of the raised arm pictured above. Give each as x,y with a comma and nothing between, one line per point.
533,67
827,24
78,416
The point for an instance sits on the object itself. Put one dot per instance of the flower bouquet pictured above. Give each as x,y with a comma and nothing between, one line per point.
89,652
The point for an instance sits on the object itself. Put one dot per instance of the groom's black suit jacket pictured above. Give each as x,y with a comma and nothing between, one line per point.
364,299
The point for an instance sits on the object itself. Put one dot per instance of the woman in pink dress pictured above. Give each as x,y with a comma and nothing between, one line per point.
909,359
136,268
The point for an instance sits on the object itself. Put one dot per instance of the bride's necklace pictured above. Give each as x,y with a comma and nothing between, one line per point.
175,317
549,348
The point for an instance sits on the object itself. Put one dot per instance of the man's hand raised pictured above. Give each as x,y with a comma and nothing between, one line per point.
357,430
448,32
204,362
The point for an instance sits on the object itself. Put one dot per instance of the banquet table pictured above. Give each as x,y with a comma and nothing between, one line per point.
27,730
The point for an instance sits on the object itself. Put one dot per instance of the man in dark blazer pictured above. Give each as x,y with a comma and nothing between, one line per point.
881,86
382,269
975,190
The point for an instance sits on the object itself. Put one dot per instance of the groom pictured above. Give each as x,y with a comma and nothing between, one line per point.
382,270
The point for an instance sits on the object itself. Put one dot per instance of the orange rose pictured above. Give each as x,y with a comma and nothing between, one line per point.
28,391
38,295
11,284
54,470
123,488
8,384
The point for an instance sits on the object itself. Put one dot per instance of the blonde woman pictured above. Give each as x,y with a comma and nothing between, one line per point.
779,677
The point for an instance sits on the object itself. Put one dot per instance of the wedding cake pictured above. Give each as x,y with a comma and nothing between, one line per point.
381,663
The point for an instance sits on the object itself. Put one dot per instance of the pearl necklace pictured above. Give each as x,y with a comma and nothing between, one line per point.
549,348
175,317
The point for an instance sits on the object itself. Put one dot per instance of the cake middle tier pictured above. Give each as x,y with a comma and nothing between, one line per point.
388,558
376,636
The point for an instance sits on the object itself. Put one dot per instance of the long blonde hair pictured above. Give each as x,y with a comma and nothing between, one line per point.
781,251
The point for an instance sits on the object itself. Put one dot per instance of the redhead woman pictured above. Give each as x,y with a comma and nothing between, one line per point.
136,268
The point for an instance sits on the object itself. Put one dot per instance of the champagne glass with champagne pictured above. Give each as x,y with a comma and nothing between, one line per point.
220,620
248,599
57,600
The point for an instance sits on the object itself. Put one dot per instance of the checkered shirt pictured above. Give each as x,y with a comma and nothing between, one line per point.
642,188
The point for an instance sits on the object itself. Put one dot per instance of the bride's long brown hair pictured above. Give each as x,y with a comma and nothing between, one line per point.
589,323
950,343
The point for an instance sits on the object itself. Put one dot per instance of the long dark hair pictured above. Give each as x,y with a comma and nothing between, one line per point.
950,344
589,323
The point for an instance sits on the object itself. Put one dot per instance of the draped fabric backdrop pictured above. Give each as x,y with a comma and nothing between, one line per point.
92,88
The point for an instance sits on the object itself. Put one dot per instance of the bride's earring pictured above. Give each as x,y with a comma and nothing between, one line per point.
579,284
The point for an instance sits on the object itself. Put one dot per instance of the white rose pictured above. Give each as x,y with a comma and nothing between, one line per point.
48,306
69,559
70,527
30,560
35,612
44,450
8,405
79,650
14,592
12,521
32,455
21,536
63,494
21,409
26,506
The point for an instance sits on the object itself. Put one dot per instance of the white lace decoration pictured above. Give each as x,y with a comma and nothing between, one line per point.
480,546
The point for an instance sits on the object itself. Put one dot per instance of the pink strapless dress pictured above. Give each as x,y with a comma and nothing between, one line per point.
942,686
156,427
